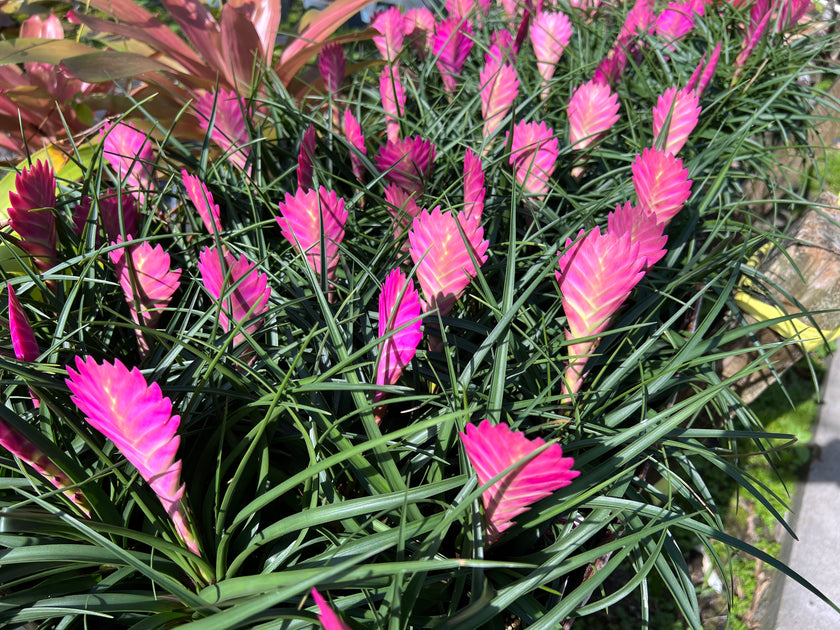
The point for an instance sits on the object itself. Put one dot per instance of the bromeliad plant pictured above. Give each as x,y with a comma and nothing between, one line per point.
421,336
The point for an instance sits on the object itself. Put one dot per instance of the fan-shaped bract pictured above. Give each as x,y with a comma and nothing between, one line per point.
399,319
230,131
393,100
444,260
331,65
492,449
147,282
550,33
661,183
138,419
674,117
308,214
593,109
24,344
129,153
499,88
243,291
644,230
533,156
327,616
31,213
451,44
353,133
202,199
391,25
474,190
407,162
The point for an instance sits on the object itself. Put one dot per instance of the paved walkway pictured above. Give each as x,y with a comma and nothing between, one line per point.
816,521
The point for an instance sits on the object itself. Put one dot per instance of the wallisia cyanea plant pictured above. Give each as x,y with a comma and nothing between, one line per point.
419,331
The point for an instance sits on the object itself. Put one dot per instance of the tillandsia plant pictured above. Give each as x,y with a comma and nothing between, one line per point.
423,334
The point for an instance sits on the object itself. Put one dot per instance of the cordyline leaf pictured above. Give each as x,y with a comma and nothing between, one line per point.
264,17
492,450
407,162
327,617
474,190
399,308
674,117
661,183
391,25
111,65
22,448
644,230
451,45
306,158
550,33
353,133
202,31
499,88
393,101
147,283
300,51
138,420
533,156
242,47
40,50
202,199
444,260
135,22
310,215
243,291
593,110
31,213
230,131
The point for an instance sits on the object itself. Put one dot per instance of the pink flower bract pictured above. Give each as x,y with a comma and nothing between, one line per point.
129,153
451,44
147,282
474,190
31,213
492,449
661,183
393,101
499,88
353,133
533,156
674,117
202,199
593,109
407,162
230,131
331,64
443,258
327,616
643,229
399,308
138,419
550,33
308,214
244,291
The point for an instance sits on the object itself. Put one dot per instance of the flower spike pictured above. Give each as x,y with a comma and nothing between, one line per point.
451,44
328,618
534,157
119,215
138,419
550,34
474,190
402,205
391,25
644,230
444,260
230,131
399,317
244,291
353,133
593,109
129,152
147,283
407,162
331,65
674,117
31,213
596,275
393,100
661,183
499,88
202,199
492,450
24,344
308,214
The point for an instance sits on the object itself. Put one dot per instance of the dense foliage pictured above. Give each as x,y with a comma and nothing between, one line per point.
428,318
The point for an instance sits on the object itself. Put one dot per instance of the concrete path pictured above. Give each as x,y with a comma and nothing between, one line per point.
816,521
